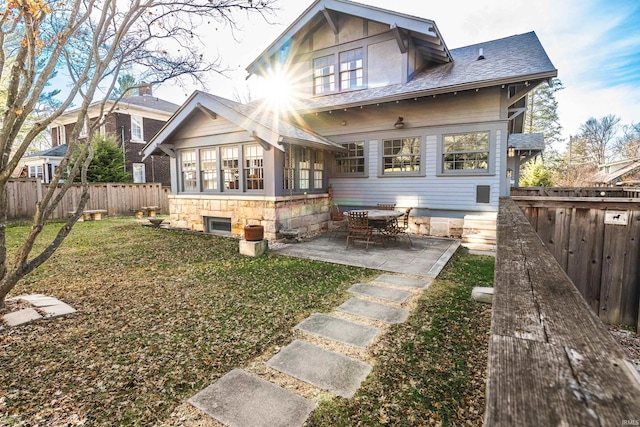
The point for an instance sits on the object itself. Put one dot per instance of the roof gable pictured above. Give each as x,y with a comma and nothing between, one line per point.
424,32
259,122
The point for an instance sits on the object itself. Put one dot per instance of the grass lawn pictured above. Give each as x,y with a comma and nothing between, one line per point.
163,314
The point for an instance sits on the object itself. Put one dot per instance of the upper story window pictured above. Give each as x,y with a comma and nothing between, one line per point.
351,69
353,161
137,133
59,133
465,152
401,156
324,77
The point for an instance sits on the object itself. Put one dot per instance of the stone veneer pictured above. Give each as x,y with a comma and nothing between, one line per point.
307,214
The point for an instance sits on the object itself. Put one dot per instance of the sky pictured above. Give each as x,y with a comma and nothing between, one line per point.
594,44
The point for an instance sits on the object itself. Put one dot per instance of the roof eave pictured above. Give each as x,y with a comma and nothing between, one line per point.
435,91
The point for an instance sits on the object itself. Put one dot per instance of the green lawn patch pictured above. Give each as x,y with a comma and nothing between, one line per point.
431,369
161,315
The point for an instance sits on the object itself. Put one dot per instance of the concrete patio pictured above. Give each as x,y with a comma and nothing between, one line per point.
425,258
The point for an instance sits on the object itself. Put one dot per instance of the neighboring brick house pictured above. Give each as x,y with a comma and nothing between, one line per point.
134,122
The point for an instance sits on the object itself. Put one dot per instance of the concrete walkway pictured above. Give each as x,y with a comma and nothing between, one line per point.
242,399
425,258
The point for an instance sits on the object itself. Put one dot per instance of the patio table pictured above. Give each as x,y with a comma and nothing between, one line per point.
380,218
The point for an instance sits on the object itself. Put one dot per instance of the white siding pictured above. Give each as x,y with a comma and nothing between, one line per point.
434,191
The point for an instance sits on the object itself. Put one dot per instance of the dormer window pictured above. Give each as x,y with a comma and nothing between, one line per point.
351,69
324,77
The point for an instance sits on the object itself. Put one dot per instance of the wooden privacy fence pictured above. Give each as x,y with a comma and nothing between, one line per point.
576,191
117,199
551,361
597,243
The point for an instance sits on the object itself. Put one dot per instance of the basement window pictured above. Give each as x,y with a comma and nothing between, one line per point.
217,225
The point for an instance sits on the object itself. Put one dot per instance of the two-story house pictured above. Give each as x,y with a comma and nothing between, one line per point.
382,111
133,122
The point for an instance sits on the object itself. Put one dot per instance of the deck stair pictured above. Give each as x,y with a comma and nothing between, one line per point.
479,232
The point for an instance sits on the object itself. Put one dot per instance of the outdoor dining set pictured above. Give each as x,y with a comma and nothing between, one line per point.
382,224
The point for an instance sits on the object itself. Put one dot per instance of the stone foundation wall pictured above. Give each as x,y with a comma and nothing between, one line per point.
308,214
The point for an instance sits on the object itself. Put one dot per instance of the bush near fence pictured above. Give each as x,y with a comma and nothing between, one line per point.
118,199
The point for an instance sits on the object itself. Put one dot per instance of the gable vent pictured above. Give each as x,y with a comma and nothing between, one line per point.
480,54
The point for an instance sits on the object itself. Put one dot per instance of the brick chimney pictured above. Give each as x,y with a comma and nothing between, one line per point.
145,89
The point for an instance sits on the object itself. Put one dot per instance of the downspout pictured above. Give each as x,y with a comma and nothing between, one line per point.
124,151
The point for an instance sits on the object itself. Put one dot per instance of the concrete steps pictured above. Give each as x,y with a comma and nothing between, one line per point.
479,232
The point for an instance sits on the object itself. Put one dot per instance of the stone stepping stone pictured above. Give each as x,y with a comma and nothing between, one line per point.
341,330
241,399
40,300
58,310
322,368
21,317
373,310
380,292
403,281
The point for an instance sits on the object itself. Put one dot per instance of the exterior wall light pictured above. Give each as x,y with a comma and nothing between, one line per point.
511,151
400,123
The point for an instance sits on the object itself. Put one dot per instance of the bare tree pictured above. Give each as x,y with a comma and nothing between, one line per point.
628,145
92,41
593,143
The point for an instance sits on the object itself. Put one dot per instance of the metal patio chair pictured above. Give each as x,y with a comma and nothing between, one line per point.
359,228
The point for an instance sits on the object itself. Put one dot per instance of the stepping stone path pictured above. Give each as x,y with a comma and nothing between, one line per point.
51,307
337,329
242,399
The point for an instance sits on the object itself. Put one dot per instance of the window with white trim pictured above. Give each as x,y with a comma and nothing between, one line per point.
188,168
137,133
400,156
36,171
324,77
253,167
230,173
304,166
318,170
60,135
351,69
139,175
209,169
85,129
289,169
353,161
465,152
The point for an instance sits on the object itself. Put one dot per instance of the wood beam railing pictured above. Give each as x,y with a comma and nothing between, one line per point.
551,360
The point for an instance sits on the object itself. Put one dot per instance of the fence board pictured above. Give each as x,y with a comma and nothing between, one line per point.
602,260
584,262
117,199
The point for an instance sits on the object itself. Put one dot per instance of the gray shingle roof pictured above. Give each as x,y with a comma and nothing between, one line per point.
506,60
151,102
602,177
258,113
57,151
527,141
